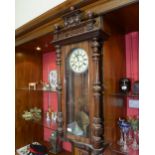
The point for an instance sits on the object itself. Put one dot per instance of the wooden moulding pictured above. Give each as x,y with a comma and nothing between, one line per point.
78,27
44,24
51,15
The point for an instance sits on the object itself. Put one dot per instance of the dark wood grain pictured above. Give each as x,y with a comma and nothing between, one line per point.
97,137
59,90
28,69
116,24
114,69
125,19
62,153
42,42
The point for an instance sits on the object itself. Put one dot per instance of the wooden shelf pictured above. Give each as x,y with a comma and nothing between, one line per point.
33,90
61,153
44,123
115,148
125,95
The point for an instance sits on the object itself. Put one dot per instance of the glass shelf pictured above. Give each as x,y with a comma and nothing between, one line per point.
44,123
115,148
125,95
49,125
38,89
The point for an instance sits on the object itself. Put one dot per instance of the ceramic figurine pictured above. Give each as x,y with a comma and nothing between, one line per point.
32,85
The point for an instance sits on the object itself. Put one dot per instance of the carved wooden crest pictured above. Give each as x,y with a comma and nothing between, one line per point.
76,26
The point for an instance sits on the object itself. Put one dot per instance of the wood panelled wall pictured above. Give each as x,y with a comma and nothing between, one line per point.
28,69
114,69
116,24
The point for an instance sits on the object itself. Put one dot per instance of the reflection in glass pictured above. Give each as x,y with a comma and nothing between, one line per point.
77,102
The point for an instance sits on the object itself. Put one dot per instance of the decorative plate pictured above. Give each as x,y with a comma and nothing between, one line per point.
52,77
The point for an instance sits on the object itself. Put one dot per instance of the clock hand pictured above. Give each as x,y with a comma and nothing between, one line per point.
77,58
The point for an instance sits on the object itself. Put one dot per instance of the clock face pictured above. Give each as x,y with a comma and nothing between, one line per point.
78,60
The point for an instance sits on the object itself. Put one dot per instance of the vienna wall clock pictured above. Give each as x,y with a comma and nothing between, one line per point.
78,46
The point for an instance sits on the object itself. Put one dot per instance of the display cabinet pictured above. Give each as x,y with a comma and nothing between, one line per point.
31,93
88,39
36,121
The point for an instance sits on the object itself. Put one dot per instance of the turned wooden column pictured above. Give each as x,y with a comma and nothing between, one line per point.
97,137
59,90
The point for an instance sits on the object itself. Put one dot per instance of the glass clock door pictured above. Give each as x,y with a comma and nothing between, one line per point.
77,107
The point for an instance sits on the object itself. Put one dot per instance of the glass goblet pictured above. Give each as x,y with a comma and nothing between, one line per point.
135,125
130,133
125,129
121,141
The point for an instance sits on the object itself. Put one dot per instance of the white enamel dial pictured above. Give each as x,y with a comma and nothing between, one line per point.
78,60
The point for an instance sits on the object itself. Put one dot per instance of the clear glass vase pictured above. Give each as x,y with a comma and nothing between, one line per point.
135,145
121,141
125,148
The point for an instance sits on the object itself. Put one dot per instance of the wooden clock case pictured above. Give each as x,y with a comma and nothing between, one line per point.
86,32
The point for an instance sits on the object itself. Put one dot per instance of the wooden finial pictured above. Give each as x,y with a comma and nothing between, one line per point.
90,14
72,8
